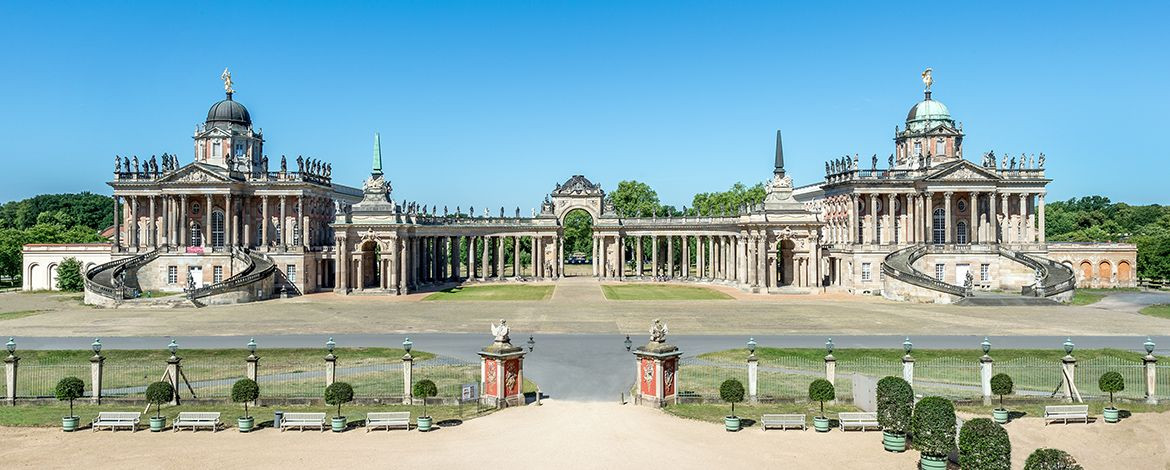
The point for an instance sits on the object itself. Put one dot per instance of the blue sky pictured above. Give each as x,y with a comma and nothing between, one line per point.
492,103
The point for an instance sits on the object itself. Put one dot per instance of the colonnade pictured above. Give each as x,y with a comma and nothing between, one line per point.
218,220
947,217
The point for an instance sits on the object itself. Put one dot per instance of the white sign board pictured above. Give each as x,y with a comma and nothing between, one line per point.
470,392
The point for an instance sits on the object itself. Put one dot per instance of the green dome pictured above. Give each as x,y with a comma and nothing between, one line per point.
927,114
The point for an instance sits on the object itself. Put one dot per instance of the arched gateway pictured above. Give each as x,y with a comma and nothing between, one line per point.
769,247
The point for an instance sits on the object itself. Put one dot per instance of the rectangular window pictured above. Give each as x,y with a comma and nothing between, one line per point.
939,271
940,147
866,272
985,272
217,274
290,272
172,274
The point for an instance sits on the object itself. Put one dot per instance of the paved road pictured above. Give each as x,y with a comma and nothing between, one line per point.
589,367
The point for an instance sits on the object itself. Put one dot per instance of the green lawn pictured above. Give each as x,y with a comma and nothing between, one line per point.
1087,296
660,292
18,314
1033,408
714,412
496,292
1160,310
50,415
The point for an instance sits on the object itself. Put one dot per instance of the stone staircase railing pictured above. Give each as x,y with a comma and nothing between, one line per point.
900,265
258,268
107,279
1055,278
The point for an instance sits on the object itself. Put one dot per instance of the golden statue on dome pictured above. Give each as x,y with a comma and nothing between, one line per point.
927,78
226,76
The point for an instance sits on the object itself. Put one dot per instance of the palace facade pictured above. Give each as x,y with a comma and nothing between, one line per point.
230,226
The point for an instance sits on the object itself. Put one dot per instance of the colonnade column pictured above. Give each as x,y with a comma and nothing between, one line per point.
890,225
670,257
1040,217
973,225
282,224
638,255
742,259
686,257
948,223
992,221
205,234
1007,221
487,249
711,257
470,257
854,218
183,220
930,218
654,257
1025,224
304,222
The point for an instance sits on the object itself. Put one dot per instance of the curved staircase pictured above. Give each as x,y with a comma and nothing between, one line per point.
1054,279
116,283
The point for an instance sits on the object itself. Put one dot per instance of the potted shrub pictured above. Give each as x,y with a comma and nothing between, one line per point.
70,388
156,394
895,403
1051,459
984,445
244,391
821,390
336,394
1001,384
424,389
1111,382
731,391
933,426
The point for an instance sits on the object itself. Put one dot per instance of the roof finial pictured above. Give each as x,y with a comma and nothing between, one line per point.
377,170
779,170
226,76
928,80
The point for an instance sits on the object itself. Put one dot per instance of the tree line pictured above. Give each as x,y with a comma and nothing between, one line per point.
50,218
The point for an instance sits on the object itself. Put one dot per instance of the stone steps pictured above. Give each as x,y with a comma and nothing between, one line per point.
1006,301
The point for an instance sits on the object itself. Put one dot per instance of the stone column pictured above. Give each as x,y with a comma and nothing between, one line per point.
229,227
654,257
407,379
1025,225
621,256
96,364
483,262
854,218
1151,366
596,264
638,256
930,218
500,258
908,368
516,256
873,218
985,374
890,226
973,225
831,369
330,369
11,364
992,221
742,259
173,368
265,220
700,258
1007,221
753,367
560,253
304,222
403,262
670,257
686,256
152,227
283,223
1040,235
762,259
132,226
948,222
205,234
751,264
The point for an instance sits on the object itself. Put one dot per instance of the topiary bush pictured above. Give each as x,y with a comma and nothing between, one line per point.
244,391
1001,384
933,425
1051,459
70,388
821,390
731,391
1111,382
984,445
895,403
425,388
158,393
338,393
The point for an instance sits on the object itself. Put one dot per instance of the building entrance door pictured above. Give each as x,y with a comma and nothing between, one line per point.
961,271
195,273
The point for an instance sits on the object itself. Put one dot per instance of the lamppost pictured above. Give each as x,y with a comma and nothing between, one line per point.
173,347
628,343
829,346
907,346
986,345
95,371
11,346
1068,346
407,344
96,346
751,345
531,344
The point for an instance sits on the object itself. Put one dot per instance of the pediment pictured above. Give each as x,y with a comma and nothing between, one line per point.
214,132
194,173
962,171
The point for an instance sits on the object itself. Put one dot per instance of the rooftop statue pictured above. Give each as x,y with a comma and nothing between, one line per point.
500,332
928,78
226,76
1040,162
658,331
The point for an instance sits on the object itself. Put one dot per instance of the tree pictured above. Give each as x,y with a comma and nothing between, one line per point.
895,403
731,391
1051,459
728,202
984,445
634,199
1111,382
821,390
70,388
933,426
578,232
69,275
1001,384
338,393
244,391
425,388
158,393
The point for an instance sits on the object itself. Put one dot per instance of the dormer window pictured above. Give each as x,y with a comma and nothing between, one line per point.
940,146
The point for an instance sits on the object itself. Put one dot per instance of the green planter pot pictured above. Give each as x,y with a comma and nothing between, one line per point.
424,423
930,462
894,442
158,423
820,423
245,424
70,423
338,424
731,423
1112,415
1000,416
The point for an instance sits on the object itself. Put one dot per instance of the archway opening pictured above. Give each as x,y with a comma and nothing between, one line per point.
578,242
369,265
785,263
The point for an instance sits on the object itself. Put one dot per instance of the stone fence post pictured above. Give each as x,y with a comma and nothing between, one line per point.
407,379
831,369
908,369
96,364
10,365
1068,369
1151,364
985,373
173,366
753,370
330,363
252,369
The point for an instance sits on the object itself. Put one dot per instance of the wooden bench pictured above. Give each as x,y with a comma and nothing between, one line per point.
302,421
195,420
1065,413
862,420
783,421
395,419
115,420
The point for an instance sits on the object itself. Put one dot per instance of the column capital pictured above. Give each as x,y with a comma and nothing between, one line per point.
948,194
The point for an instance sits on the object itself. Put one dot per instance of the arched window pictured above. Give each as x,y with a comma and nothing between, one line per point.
196,235
217,233
940,227
961,236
